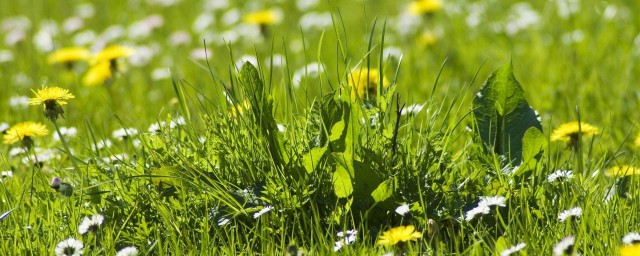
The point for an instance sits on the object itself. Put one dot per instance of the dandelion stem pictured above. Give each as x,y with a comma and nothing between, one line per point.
64,143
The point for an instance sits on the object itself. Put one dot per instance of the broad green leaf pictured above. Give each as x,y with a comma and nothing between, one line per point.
533,145
384,191
503,115
345,160
312,159
251,79
337,131
342,182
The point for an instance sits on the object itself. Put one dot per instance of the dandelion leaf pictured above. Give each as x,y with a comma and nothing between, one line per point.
503,115
342,182
384,191
533,144
312,159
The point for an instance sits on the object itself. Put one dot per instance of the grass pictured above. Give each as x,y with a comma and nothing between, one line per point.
325,162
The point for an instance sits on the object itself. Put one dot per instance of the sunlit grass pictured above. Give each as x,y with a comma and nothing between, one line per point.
354,134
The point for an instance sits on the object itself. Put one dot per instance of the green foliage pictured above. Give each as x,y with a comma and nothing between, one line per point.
231,140
503,115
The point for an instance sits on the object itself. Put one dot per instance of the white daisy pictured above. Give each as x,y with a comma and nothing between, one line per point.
412,109
156,127
128,251
263,211
631,238
106,143
566,214
19,101
69,247
223,221
403,209
124,133
6,174
67,132
513,249
565,246
481,209
90,224
4,127
493,201
338,245
346,238
560,175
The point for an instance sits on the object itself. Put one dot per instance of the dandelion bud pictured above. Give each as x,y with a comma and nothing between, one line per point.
432,227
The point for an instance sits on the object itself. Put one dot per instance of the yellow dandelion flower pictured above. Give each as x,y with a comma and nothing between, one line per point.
427,38
69,55
98,74
112,53
24,132
364,83
264,17
52,98
569,132
420,7
399,234
239,108
630,250
623,170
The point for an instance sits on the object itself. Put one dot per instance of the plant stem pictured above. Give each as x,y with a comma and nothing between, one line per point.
64,143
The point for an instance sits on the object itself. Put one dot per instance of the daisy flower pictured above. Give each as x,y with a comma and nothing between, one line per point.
493,201
90,224
565,246
66,131
560,175
124,133
479,210
128,251
399,234
631,238
484,206
403,209
513,249
3,127
566,214
52,98
24,132
223,221
346,238
69,247
262,211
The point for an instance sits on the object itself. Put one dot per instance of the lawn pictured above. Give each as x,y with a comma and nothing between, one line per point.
311,127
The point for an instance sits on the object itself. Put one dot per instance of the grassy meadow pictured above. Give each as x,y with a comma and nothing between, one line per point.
313,127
